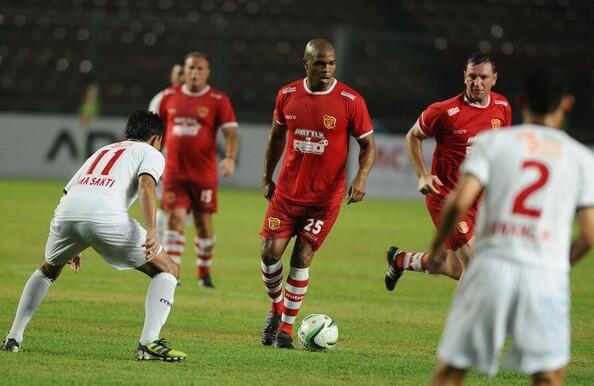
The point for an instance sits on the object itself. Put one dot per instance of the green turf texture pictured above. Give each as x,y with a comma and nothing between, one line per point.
87,328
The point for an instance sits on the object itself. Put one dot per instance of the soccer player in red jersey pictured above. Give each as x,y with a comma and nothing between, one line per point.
453,123
194,112
314,118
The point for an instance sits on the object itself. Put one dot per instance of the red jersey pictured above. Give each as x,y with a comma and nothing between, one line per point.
454,123
192,121
319,124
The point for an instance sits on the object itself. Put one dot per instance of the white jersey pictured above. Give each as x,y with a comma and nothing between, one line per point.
107,184
534,178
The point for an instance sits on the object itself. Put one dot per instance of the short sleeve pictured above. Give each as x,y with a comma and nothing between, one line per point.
361,125
477,164
508,115
227,116
430,120
152,164
155,103
278,114
586,189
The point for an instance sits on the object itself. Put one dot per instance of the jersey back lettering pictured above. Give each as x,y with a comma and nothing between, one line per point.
106,185
534,178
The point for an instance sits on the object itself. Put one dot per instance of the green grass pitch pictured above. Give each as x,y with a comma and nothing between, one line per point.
86,329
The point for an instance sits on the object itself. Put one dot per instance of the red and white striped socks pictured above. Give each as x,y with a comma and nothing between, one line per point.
272,276
203,249
174,245
295,290
410,261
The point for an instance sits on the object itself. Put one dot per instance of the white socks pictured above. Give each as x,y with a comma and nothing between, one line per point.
32,296
161,225
158,303
159,299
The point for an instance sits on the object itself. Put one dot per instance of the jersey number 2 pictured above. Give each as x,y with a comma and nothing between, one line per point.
117,154
520,200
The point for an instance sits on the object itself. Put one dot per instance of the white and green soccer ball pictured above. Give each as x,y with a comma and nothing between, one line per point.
318,332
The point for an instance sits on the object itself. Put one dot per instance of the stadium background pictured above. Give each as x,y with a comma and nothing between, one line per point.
72,70
401,55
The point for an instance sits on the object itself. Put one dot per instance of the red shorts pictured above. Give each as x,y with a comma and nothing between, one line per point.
199,197
464,229
311,224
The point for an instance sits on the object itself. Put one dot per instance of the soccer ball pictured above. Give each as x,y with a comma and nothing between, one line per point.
318,332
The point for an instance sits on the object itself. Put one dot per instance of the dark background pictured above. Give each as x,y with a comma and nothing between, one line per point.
401,55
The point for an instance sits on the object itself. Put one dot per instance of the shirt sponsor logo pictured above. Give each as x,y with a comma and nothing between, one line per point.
273,223
503,103
169,197
306,145
290,117
329,122
202,111
462,227
183,126
453,111
495,123
460,131
289,90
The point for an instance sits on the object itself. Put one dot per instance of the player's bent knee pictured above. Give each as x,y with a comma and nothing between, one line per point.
176,220
160,263
52,272
268,252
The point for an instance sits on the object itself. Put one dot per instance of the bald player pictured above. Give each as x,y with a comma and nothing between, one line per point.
314,118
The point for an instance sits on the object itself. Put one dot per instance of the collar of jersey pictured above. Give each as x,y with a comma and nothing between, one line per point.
186,91
478,106
319,92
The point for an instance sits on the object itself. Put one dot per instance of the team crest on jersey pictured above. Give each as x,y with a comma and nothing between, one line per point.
202,111
463,227
329,122
169,197
495,123
274,223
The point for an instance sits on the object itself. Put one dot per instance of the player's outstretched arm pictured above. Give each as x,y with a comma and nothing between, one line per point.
585,238
231,150
456,205
366,159
274,151
414,146
147,199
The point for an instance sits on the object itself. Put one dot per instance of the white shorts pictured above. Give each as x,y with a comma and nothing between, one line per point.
497,298
120,245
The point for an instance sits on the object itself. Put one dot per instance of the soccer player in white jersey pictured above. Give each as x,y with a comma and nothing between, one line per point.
534,178
94,213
